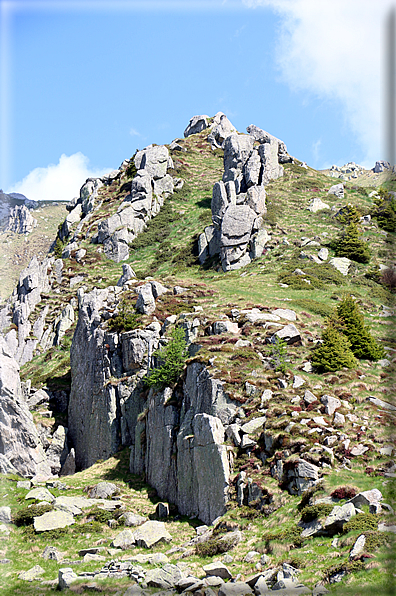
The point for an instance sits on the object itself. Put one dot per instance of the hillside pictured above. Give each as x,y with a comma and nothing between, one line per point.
272,453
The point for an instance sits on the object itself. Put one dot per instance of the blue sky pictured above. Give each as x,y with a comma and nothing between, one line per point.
83,84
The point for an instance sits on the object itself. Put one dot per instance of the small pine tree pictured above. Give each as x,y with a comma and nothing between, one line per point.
58,248
363,345
172,358
278,352
334,353
351,246
384,210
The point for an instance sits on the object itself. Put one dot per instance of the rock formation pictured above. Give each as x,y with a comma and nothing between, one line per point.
20,220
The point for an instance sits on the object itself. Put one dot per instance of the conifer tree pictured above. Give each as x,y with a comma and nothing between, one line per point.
334,353
363,345
172,358
351,246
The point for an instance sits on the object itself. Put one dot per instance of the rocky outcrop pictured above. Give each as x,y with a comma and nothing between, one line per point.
238,201
20,447
20,220
176,437
196,124
221,129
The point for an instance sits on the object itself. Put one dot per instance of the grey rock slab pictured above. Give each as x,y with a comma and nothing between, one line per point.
145,303
52,553
381,404
152,559
289,334
31,574
85,503
298,381
337,190
218,569
317,205
103,490
127,274
341,264
359,450
134,590
366,497
133,519
40,494
164,578
312,528
253,425
151,533
24,484
124,540
53,520
237,225
331,404
66,577
338,517
235,589
323,254
260,587
5,515
385,528
358,547
197,124
285,313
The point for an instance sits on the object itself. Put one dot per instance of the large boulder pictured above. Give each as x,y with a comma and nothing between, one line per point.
151,533
20,220
196,124
221,130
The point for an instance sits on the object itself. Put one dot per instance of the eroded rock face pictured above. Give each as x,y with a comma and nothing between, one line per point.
20,446
238,201
20,220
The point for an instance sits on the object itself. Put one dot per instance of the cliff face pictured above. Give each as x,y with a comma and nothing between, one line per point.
176,438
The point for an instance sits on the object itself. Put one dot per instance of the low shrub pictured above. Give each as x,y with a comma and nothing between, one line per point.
214,546
351,323
312,512
127,319
24,517
362,522
344,492
335,352
172,358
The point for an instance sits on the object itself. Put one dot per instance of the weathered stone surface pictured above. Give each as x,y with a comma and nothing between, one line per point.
103,490
66,577
52,553
224,326
154,160
151,533
235,589
317,205
196,124
331,404
358,547
31,574
217,569
341,264
221,129
127,274
323,254
69,467
124,540
53,520
5,515
40,494
237,225
337,190
115,250
20,220
57,451
289,334
301,476
145,302
366,497
164,578
338,517
285,313
253,425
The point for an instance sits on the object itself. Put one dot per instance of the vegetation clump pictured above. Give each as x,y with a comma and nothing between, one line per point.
312,512
24,516
334,353
362,522
363,345
384,211
126,319
343,492
350,245
172,358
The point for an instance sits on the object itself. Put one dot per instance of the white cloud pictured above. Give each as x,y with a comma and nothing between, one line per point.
316,150
335,49
134,133
60,182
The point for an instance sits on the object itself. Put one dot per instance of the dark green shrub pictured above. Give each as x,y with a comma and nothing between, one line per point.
291,535
172,358
335,352
25,516
214,546
363,345
384,211
312,512
278,353
362,522
102,515
127,319
374,540
314,306
348,214
58,248
350,245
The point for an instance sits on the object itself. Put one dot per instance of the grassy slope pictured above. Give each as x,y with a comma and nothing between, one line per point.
166,252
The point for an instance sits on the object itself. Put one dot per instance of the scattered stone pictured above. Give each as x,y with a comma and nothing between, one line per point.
103,490
53,520
66,577
341,264
339,419
309,397
253,425
40,494
5,515
366,497
127,274
164,578
285,313
359,450
177,290
218,569
133,519
124,540
331,404
323,254
151,533
338,517
337,190
162,510
235,589
31,574
317,205
298,381
289,334
52,553
251,556
24,484
358,547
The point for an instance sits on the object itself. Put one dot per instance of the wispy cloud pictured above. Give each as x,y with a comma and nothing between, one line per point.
335,49
58,182
134,133
316,150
